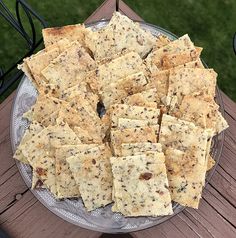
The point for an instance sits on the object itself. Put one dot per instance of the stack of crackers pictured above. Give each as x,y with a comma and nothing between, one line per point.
152,144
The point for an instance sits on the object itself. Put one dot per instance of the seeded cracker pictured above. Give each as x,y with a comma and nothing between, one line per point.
132,135
70,67
125,123
186,177
133,112
51,36
129,35
40,154
128,149
33,129
146,98
119,90
197,81
154,59
94,176
141,185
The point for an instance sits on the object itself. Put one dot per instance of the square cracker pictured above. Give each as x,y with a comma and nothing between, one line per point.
133,112
132,135
141,185
184,136
125,123
119,68
101,43
43,108
74,60
129,35
94,176
203,112
160,80
40,153
154,59
146,98
197,82
128,149
34,128
186,177
176,59
37,62
53,35
119,90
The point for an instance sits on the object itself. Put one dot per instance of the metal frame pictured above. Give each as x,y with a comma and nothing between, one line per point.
12,75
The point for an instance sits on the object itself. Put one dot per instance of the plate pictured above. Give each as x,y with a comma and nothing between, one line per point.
72,210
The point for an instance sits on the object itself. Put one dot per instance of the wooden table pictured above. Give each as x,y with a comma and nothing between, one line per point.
22,215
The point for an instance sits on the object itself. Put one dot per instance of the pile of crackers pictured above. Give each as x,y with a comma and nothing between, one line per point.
121,117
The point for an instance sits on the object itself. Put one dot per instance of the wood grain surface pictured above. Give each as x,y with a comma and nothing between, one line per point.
23,216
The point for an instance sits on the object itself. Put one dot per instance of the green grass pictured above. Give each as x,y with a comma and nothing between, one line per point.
210,24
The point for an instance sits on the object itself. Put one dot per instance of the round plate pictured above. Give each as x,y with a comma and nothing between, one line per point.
72,210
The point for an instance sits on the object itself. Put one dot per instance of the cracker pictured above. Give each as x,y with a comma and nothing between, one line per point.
125,123
186,177
43,108
132,135
94,176
74,60
184,136
53,35
119,68
133,112
36,63
146,98
203,111
154,59
173,60
128,149
197,82
44,167
129,35
33,129
116,92
101,43
161,41
141,185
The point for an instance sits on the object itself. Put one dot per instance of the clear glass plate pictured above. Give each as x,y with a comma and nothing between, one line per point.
72,210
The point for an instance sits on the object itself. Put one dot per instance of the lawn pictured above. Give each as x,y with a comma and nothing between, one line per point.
210,24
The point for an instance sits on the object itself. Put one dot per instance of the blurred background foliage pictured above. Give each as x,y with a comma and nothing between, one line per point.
210,24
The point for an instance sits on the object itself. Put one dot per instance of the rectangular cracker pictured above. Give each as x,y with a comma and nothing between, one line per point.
74,60
176,59
186,177
40,154
154,59
184,136
119,68
203,111
33,129
125,123
37,62
43,108
197,81
132,135
101,43
53,35
129,149
141,185
146,98
116,92
133,112
129,35
94,176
